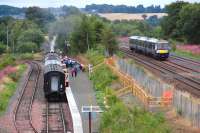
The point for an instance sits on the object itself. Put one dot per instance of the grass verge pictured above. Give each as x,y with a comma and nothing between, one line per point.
118,118
10,87
186,54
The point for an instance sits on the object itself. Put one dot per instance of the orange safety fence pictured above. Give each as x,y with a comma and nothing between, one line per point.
128,82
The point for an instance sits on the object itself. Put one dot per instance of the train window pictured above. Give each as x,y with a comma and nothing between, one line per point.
155,46
163,46
150,45
135,42
54,83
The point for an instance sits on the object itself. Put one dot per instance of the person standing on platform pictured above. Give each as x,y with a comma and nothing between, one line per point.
72,72
75,71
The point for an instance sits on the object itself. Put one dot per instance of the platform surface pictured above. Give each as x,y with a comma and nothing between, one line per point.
76,117
84,95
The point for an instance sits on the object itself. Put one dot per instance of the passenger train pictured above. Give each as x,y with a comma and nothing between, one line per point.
150,46
54,76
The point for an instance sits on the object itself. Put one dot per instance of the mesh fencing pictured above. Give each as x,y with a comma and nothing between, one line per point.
149,83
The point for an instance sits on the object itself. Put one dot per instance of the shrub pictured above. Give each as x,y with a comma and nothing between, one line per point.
27,47
9,89
6,60
26,56
2,48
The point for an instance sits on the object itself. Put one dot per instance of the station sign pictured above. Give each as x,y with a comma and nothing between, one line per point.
91,109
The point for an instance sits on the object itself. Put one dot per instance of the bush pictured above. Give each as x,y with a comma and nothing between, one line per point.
6,60
27,47
2,48
9,89
5,95
95,56
25,56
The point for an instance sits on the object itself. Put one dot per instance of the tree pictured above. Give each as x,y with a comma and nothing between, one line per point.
27,47
169,23
2,48
109,41
83,37
189,22
70,10
31,35
63,28
144,16
153,20
39,16
98,25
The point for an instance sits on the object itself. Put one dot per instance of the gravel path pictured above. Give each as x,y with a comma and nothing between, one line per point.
84,94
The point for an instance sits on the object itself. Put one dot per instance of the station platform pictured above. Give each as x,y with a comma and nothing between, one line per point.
84,95
76,118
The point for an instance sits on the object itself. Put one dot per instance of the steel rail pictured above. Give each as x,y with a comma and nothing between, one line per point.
61,115
162,69
186,59
32,98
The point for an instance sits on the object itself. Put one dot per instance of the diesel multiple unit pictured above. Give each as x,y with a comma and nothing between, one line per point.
150,46
54,76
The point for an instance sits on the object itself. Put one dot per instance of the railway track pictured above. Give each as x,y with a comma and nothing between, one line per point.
55,118
22,113
183,82
186,60
186,63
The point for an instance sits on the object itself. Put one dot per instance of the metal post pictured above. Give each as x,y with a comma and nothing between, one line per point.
90,124
7,38
88,43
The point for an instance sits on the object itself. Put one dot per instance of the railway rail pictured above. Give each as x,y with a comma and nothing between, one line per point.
186,60
22,113
186,63
182,81
55,118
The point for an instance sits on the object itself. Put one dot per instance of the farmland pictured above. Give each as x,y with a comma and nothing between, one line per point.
127,16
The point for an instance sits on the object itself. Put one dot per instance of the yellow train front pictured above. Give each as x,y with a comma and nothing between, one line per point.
150,46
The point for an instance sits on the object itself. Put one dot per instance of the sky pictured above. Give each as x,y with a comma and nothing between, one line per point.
82,3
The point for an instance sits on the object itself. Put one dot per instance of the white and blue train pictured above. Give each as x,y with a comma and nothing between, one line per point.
150,46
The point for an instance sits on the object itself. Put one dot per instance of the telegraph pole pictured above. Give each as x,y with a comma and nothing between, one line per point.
87,42
7,38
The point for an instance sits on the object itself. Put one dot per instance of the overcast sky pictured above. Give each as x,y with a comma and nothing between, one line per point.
82,3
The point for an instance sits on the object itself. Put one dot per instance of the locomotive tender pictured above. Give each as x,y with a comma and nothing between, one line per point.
150,46
54,76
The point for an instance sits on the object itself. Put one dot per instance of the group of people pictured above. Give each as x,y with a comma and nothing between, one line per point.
73,66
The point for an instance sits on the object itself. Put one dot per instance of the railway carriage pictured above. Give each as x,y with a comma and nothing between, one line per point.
150,46
54,76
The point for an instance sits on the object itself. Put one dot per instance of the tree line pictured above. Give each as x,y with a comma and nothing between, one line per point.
182,22
6,10
21,36
83,32
104,8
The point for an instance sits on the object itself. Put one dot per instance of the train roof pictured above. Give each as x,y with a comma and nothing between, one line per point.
51,56
53,68
143,38
55,62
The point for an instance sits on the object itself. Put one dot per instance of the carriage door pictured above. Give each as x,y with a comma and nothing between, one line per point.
54,83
